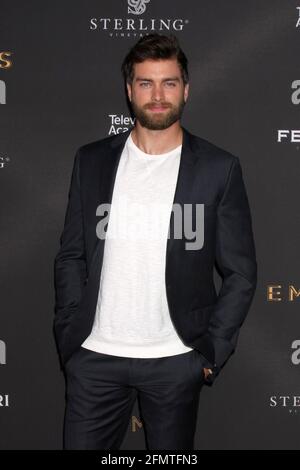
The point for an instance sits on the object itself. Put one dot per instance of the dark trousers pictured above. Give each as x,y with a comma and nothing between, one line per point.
101,390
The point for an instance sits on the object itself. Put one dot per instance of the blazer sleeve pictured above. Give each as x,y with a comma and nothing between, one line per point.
70,269
236,261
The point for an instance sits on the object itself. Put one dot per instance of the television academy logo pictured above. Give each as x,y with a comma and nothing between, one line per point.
133,27
120,123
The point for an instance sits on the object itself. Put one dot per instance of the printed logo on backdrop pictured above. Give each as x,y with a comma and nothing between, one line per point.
277,293
296,94
119,123
134,25
291,136
298,19
136,424
4,401
3,162
137,7
287,403
5,63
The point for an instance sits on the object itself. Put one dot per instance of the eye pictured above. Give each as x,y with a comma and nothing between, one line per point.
144,84
171,84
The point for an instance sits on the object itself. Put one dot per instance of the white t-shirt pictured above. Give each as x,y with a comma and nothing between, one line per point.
132,316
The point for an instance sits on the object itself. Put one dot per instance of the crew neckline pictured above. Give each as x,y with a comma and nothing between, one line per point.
150,155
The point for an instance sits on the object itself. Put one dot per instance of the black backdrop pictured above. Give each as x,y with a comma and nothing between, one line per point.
61,87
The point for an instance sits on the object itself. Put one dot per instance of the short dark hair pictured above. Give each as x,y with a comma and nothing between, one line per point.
155,46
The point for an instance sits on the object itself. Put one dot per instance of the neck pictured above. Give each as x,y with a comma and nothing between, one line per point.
157,141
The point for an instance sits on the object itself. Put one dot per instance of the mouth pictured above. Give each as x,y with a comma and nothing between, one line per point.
157,109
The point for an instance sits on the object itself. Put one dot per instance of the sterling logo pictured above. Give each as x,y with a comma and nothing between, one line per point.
2,352
290,403
128,27
137,7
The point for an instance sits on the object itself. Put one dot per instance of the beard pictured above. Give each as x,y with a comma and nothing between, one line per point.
157,121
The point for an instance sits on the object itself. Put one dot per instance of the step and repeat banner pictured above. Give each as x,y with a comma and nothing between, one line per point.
60,88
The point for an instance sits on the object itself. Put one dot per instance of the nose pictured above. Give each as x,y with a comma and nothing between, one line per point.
157,93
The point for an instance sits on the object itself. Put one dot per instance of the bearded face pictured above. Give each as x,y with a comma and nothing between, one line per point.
157,93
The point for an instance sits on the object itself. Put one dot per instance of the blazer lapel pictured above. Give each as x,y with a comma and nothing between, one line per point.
184,181
109,170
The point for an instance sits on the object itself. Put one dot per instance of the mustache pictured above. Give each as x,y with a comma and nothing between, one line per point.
158,105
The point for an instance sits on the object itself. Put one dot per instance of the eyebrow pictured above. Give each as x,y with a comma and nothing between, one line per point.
170,79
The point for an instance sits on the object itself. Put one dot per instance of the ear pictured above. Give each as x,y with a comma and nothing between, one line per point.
186,91
128,86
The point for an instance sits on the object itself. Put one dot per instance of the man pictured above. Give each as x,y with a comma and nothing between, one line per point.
141,318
